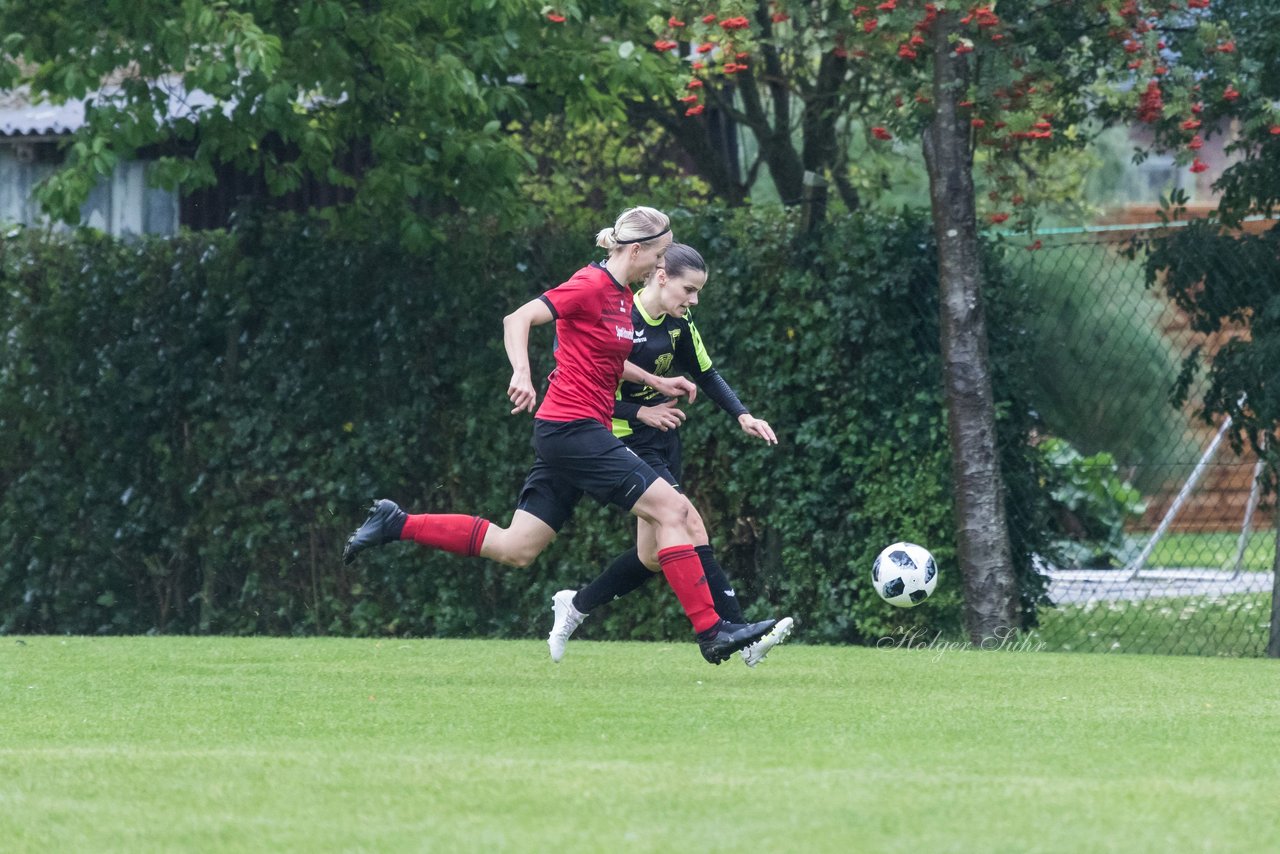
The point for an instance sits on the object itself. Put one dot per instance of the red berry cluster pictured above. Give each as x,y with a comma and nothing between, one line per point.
1004,117
1139,30
711,41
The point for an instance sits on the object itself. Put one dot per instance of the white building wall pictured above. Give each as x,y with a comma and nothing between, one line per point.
123,204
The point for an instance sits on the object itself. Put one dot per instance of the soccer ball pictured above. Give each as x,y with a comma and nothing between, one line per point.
904,574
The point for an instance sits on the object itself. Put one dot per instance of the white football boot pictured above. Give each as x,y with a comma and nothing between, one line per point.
567,619
755,653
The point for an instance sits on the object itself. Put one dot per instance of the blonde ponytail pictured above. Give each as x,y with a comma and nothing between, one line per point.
634,225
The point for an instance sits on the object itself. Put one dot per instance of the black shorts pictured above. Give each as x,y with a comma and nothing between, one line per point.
660,450
574,457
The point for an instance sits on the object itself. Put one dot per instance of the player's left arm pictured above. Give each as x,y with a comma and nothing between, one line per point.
692,356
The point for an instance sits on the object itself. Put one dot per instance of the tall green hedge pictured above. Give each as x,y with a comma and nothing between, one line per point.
190,427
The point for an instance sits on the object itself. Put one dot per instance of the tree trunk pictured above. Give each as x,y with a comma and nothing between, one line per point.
990,590
1273,642
703,146
771,125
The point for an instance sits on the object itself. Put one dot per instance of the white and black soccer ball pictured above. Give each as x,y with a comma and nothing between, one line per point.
904,574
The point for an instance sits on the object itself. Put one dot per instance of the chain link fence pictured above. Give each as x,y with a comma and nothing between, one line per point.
1165,542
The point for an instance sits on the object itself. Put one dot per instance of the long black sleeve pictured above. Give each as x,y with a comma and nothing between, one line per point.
715,387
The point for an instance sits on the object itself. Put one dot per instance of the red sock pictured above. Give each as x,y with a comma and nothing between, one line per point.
683,569
450,532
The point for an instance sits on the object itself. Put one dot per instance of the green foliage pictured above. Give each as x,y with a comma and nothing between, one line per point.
404,102
1091,504
1252,184
1228,282
189,429
600,165
191,424
808,80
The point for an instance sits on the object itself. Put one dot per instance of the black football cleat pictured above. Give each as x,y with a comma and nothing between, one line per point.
724,639
385,522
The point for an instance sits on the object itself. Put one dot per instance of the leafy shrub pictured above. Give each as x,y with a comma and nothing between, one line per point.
1090,504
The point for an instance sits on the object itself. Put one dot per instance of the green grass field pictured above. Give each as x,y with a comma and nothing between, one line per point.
216,744
1213,550
1232,625
1211,623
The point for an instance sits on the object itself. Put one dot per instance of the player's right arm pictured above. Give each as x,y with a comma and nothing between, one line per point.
515,338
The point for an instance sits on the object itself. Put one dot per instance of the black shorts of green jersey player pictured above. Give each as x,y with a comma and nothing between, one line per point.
666,343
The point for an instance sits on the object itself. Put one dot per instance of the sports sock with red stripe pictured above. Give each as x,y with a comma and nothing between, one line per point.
450,532
683,570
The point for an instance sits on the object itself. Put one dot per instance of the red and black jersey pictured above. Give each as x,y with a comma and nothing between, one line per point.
593,340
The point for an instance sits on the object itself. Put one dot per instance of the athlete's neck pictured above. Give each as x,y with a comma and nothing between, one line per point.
619,268
652,302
